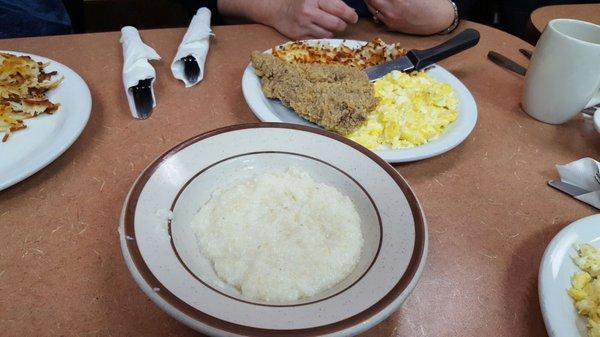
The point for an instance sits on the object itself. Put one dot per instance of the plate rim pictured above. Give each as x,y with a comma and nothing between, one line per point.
184,312
61,148
256,105
544,271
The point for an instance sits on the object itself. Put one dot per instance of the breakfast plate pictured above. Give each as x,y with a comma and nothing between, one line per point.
556,269
162,252
268,110
46,136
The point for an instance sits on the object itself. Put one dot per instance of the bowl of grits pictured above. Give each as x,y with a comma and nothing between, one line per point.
273,228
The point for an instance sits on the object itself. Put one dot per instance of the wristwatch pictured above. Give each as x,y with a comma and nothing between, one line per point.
454,22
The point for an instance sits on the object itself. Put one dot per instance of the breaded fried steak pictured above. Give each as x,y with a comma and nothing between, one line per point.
336,97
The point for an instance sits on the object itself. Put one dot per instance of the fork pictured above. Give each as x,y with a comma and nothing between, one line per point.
142,97
190,68
597,176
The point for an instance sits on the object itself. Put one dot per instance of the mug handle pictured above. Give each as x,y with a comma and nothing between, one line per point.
597,121
595,100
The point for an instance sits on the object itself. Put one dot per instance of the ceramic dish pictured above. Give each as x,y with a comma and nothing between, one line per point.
268,110
560,316
47,136
163,256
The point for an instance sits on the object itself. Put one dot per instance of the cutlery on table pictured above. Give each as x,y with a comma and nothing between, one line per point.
190,68
591,110
420,59
567,188
142,97
506,63
526,53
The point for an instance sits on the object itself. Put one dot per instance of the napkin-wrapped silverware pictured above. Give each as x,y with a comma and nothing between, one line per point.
188,64
581,175
138,74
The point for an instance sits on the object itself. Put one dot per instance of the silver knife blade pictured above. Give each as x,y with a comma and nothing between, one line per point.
567,188
402,64
506,63
526,53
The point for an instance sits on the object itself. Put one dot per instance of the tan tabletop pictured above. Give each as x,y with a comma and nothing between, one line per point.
489,209
586,12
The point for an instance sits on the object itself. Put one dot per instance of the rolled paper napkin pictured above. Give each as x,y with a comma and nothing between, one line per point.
195,43
582,173
135,65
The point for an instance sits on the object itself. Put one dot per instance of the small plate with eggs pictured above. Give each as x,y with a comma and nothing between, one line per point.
418,115
273,229
568,279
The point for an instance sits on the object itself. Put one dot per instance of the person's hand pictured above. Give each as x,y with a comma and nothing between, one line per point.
312,19
413,16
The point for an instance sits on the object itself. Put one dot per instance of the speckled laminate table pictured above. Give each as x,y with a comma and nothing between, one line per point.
489,209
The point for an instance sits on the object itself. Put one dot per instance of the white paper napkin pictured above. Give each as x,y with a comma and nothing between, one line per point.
195,42
135,64
581,173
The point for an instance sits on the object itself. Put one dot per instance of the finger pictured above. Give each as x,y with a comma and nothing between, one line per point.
329,22
340,9
318,32
383,6
371,9
376,13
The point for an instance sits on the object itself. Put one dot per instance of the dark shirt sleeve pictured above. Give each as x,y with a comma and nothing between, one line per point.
33,18
193,5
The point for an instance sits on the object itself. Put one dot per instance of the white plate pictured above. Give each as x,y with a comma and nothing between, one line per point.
556,269
268,110
165,260
47,136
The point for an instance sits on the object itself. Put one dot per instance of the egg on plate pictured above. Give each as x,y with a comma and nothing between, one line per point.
413,109
585,286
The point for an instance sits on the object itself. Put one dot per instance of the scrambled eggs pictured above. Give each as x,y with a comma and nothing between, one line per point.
585,288
413,109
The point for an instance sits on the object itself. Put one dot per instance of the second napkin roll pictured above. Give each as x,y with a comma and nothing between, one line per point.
195,43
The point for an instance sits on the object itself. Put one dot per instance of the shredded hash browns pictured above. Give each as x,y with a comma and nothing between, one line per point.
373,53
23,87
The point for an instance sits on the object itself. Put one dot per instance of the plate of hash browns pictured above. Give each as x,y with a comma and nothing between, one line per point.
44,107
401,117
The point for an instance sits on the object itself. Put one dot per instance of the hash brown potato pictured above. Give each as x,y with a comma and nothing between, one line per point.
23,87
373,53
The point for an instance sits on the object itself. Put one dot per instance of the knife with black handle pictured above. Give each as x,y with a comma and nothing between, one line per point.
419,59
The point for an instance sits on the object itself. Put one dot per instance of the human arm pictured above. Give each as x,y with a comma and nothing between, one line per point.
297,19
422,17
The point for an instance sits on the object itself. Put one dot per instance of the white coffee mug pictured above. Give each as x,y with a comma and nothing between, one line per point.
563,76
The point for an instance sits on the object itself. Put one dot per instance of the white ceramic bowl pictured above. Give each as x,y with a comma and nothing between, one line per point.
163,256
560,316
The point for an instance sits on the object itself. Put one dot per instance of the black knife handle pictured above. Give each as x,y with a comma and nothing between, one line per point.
462,41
